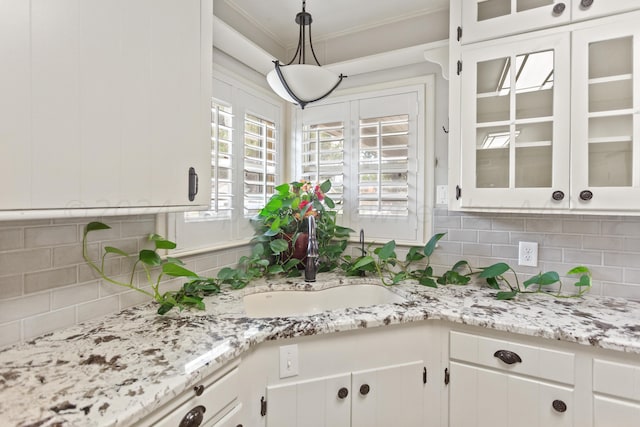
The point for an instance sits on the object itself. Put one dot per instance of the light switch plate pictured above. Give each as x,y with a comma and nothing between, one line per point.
288,361
442,195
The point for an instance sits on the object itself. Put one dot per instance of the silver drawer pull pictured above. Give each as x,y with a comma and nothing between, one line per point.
508,357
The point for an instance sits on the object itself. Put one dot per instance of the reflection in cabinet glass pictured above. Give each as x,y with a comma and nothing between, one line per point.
515,124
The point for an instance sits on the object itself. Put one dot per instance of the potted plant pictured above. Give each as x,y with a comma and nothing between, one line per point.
281,227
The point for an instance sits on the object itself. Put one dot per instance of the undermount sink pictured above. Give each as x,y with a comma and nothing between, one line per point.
305,302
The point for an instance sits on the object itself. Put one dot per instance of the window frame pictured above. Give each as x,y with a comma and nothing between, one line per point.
424,163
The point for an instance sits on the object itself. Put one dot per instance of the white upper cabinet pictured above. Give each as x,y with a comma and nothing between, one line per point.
515,123
605,158
105,105
487,19
548,120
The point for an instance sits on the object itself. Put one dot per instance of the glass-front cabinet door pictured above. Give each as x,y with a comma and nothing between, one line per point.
605,163
487,19
515,124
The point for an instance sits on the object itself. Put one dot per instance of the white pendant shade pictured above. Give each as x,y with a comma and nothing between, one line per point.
307,82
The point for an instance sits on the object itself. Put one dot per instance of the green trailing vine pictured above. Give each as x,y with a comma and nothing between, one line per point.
385,263
148,260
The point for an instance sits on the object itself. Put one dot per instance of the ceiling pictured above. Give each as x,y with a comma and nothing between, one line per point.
331,18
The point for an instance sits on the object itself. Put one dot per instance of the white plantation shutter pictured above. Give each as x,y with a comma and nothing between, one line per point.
260,161
383,175
370,146
323,157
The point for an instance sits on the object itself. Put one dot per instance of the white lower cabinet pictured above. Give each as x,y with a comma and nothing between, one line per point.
379,397
616,394
212,402
503,383
484,397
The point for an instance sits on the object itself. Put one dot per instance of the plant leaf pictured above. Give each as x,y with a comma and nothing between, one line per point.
278,245
431,244
112,250
579,269
545,279
506,295
493,283
275,269
399,277
177,270
585,280
387,251
282,188
414,254
173,260
428,281
226,273
459,264
150,257
362,262
94,226
329,201
161,242
325,186
494,270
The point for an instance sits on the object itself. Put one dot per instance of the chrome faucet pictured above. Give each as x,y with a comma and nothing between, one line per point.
311,265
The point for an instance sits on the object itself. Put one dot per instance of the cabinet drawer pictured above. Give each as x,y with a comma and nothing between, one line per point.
525,359
216,398
616,379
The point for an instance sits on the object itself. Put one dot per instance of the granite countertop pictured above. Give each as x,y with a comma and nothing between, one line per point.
118,369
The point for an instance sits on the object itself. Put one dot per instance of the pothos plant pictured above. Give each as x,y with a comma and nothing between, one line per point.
391,270
151,263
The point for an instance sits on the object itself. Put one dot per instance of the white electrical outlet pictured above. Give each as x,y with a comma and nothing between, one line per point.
442,195
528,254
288,361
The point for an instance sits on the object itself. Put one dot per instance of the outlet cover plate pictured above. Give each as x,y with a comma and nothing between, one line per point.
528,254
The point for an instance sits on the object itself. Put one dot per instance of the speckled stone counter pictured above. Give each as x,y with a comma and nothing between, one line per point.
116,370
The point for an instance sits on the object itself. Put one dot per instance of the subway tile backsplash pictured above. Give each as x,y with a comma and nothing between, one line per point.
45,284
609,246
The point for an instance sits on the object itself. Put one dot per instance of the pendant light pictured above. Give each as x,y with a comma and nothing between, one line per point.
302,83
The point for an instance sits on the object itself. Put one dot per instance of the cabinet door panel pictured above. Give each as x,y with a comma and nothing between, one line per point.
605,153
486,19
55,94
394,396
313,403
515,123
482,397
15,105
100,101
609,412
601,8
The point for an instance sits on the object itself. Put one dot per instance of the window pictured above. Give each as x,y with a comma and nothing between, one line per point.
370,146
245,167
260,162
323,157
221,165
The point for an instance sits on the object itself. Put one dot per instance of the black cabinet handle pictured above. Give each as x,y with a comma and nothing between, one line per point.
508,357
193,184
194,417
558,9
364,389
586,4
343,392
559,405
586,195
557,195
199,390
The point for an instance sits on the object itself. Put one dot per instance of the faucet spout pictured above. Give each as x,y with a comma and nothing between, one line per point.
311,265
